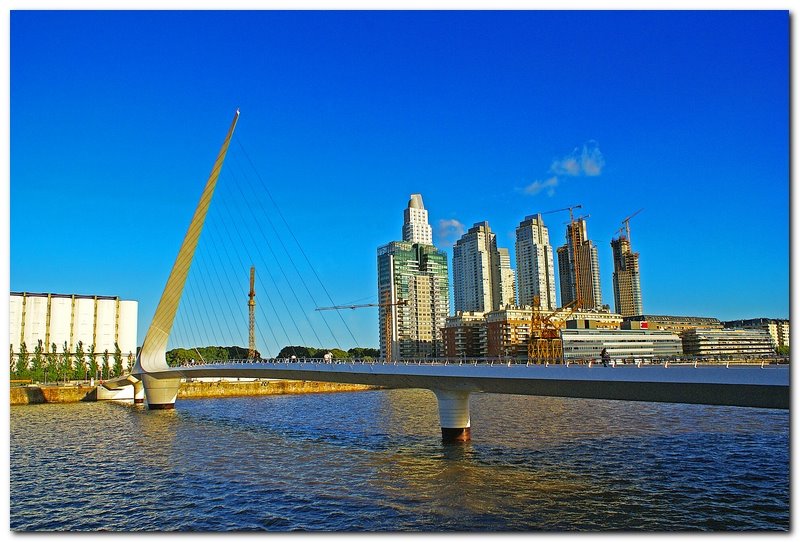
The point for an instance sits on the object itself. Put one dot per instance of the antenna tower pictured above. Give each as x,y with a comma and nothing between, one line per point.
251,305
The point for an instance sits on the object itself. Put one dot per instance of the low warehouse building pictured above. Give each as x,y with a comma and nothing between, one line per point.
623,345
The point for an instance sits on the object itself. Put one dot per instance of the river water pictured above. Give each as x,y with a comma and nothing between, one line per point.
374,461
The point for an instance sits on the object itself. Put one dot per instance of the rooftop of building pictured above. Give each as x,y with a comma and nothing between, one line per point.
726,331
755,321
416,202
666,318
70,296
618,332
478,225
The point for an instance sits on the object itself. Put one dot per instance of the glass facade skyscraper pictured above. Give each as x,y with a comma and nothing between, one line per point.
413,293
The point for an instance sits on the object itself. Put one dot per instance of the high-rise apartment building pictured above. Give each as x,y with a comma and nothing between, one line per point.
627,288
416,228
482,276
535,268
587,289
413,291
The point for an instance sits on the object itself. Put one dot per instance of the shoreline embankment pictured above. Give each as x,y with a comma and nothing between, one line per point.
36,395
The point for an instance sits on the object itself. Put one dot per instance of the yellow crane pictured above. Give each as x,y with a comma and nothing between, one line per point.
545,341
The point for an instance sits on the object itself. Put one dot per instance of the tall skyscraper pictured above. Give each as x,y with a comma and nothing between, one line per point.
627,289
482,276
416,228
588,274
535,268
413,290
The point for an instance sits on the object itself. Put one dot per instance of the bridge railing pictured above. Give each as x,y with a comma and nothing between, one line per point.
665,361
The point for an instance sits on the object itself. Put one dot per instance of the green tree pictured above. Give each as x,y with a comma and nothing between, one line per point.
299,351
94,369
783,350
22,362
117,360
106,368
66,363
130,361
51,367
364,353
215,353
79,370
176,356
181,356
37,362
238,352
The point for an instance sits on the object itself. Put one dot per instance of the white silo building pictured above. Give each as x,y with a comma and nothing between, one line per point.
56,319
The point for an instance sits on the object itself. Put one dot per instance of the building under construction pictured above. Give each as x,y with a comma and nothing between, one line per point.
627,286
578,268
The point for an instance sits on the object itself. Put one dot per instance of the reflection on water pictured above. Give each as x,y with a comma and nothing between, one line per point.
374,461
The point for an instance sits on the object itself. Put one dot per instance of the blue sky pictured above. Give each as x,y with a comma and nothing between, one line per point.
116,118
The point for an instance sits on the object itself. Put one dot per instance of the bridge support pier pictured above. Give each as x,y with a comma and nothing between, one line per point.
160,392
138,393
454,415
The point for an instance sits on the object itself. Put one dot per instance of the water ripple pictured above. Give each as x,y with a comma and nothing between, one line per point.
373,461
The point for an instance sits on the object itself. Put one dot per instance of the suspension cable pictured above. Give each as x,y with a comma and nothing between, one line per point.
289,229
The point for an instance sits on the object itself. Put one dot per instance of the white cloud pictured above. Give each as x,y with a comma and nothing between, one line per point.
449,231
569,165
537,186
586,160
592,161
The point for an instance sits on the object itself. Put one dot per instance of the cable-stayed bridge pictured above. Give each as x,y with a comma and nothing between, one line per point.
452,382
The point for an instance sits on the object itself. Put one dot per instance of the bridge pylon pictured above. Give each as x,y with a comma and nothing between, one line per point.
162,392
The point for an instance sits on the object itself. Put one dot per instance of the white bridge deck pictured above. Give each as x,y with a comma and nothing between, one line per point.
765,386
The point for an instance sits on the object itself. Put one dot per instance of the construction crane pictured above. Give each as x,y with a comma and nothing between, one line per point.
570,208
340,307
545,340
627,225
387,320
251,305
578,301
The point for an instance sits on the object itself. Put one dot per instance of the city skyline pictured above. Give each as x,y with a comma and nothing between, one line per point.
615,132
